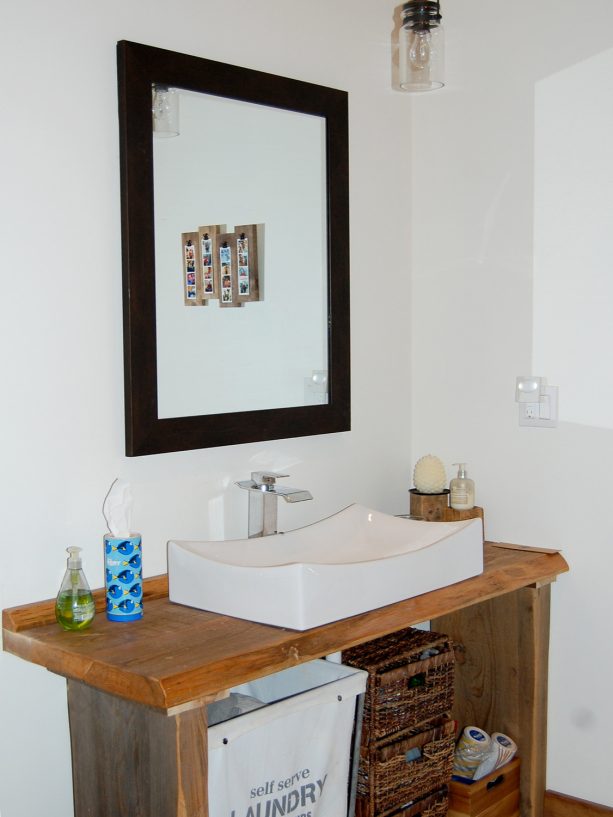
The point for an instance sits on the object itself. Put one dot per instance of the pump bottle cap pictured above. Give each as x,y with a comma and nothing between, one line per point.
74,560
461,469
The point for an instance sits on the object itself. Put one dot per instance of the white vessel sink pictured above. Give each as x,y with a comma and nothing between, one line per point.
351,562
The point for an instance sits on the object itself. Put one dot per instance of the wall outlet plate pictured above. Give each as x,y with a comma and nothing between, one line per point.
543,414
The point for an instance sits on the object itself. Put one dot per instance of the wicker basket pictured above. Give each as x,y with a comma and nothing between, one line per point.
403,688
387,780
434,805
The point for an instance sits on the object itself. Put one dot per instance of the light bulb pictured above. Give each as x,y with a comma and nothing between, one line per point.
419,50
421,46
160,105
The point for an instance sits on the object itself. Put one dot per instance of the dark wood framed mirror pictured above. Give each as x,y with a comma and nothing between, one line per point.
267,338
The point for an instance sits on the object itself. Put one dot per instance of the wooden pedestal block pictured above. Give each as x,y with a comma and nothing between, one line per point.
430,507
495,795
453,515
435,508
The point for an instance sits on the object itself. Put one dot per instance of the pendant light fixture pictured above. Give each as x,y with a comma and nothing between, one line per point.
421,43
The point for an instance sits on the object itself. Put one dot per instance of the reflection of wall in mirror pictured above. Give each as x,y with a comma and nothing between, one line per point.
216,361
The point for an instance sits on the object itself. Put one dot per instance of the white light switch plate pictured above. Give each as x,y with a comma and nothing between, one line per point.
543,414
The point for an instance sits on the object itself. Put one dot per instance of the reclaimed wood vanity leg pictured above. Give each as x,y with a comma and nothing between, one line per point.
129,760
502,650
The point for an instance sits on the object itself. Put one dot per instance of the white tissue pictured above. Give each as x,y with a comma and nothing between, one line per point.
117,509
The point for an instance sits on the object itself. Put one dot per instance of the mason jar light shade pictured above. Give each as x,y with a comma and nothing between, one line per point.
421,46
165,110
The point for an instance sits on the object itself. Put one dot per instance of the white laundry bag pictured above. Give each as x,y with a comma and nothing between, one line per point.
291,756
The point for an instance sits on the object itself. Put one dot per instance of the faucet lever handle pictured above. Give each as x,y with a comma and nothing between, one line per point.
266,477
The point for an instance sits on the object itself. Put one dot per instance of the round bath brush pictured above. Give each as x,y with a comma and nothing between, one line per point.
429,475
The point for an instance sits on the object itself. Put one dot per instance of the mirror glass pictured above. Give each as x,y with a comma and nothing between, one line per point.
262,161
266,353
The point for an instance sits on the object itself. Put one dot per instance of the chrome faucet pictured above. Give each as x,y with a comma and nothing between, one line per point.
263,493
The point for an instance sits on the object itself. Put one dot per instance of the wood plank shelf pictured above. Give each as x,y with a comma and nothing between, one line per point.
160,672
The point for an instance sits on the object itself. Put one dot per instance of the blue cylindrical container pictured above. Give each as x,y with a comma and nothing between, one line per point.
124,577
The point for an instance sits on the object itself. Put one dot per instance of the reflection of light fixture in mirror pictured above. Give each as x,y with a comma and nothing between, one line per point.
316,387
165,110
421,42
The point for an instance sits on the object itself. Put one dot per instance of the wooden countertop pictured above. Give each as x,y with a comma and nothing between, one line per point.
176,656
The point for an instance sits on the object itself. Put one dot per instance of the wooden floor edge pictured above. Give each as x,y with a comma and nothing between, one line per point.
562,805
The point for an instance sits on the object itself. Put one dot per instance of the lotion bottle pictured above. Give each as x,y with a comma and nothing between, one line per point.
74,606
461,490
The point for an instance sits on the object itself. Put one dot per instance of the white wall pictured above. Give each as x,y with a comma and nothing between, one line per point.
473,189
62,406
511,250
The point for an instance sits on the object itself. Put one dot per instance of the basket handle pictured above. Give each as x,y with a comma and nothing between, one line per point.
415,668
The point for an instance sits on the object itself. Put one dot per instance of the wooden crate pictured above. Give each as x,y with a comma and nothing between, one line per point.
495,795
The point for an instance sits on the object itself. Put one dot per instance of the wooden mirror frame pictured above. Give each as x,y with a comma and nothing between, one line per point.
139,66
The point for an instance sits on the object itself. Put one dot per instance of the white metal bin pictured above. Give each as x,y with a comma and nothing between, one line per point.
290,757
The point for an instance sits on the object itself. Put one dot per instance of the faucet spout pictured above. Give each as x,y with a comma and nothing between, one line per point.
263,493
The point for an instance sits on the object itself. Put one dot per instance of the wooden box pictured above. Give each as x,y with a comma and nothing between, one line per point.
495,795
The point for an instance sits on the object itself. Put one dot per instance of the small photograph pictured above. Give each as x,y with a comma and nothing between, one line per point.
208,286
190,265
191,279
189,251
206,260
226,282
243,272
224,255
206,246
190,293
242,249
226,296
243,287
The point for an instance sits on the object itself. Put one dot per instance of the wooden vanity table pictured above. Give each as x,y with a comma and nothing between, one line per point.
137,692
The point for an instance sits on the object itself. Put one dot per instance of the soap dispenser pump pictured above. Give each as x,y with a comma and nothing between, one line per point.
461,490
74,607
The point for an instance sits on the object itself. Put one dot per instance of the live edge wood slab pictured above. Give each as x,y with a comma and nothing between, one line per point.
177,658
137,692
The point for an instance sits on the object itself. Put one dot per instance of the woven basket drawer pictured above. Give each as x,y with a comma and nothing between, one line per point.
387,780
404,688
433,805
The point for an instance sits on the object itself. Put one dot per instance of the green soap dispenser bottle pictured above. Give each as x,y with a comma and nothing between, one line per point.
74,607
